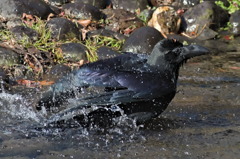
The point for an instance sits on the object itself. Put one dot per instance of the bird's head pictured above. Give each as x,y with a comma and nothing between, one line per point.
170,54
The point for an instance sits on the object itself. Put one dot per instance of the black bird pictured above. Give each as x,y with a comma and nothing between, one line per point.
137,85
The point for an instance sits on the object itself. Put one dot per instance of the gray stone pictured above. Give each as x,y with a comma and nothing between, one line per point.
63,29
8,57
235,22
12,9
142,40
101,4
13,23
24,33
107,33
106,52
58,71
58,2
82,11
119,20
131,5
204,15
74,52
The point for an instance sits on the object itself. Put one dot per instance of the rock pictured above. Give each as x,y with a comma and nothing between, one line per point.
13,23
166,20
57,10
22,72
146,15
119,20
204,15
101,4
106,52
58,2
2,25
57,71
235,22
63,29
206,34
217,46
131,6
82,11
8,57
74,52
185,3
13,9
3,80
142,40
107,33
24,33
2,74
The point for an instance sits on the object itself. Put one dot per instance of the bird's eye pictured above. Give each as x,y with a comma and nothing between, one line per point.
177,51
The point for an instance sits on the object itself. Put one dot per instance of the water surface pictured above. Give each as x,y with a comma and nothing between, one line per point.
203,121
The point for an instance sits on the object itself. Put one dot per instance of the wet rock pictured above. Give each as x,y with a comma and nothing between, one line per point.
12,9
63,29
24,33
235,22
106,52
107,33
58,2
82,11
8,57
131,6
142,40
58,71
101,4
206,34
204,15
74,52
119,20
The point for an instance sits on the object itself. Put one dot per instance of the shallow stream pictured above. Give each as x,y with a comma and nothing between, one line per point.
203,121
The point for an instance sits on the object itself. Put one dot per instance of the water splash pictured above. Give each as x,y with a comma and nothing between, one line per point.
17,107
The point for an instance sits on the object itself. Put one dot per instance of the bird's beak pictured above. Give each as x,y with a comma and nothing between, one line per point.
194,50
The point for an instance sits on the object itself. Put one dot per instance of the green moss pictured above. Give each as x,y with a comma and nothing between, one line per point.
234,5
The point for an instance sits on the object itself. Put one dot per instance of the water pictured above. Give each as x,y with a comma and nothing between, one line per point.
203,121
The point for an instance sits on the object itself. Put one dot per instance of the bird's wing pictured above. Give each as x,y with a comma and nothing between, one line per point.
103,73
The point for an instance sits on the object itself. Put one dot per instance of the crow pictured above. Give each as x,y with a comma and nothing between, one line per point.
136,85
